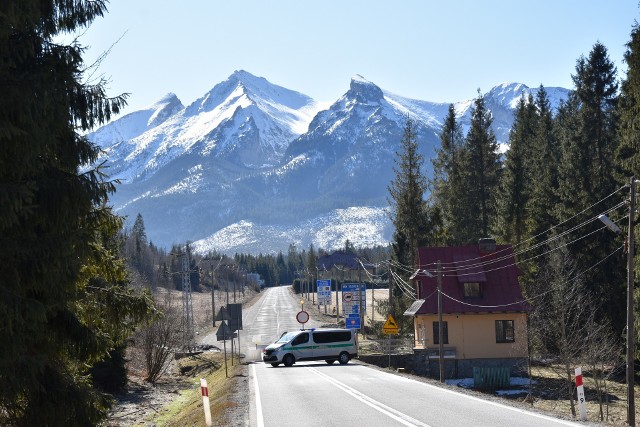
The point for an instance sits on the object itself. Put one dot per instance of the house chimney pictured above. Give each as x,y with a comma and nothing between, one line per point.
487,245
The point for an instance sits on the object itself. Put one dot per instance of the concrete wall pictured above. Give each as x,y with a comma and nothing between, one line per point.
419,364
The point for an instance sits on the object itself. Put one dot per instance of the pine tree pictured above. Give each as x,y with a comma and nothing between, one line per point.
513,197
481,161
628,150
543,175
63,297
446,212
407,190
586,129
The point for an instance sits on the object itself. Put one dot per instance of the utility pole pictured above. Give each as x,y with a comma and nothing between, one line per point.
440,326
391,310
187,305
213,297
631,406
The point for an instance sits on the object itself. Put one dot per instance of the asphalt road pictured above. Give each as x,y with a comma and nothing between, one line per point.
317,394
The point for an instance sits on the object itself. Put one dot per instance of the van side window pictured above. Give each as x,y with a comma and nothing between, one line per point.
327,337
301,339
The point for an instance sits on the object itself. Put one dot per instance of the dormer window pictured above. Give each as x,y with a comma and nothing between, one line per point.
472,290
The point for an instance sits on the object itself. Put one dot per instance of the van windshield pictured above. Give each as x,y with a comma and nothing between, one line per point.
286,337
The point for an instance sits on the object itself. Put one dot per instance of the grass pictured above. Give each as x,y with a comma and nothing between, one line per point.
550,394
186,409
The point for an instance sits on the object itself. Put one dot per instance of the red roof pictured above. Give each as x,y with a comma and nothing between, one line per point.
496,272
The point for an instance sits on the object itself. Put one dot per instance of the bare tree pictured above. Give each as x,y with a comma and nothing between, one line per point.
563,316
602,356
159,340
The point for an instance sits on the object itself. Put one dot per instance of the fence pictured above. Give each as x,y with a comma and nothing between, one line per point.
385,346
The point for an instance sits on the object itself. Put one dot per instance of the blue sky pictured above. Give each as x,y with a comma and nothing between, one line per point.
440,51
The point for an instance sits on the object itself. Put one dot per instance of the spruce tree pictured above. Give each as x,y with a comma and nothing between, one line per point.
447,185
543,175
586,128
64,302
513,197
481,162
407,190
628,150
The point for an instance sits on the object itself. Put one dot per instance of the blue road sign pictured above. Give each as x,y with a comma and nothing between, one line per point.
352,322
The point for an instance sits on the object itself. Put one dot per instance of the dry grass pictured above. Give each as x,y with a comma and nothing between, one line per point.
187,410
551,395
175,400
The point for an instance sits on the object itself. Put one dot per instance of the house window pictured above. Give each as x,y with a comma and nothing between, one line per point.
505,331
436,334
472,290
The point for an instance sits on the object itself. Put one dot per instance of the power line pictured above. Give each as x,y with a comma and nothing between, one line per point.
529,299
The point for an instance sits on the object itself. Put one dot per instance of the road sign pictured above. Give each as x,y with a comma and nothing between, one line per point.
324,292
354,298
352,322
390,327
224,332
302,317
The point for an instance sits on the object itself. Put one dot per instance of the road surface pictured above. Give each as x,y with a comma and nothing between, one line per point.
317,394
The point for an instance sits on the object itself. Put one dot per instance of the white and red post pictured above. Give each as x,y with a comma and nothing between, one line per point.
205,401
581,399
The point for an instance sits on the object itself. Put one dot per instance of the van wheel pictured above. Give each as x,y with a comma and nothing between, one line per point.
343,358
329,361
275,365
288,360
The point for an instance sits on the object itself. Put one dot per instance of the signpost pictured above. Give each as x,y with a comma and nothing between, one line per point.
354,298
324,293
390,327
302,317
352,321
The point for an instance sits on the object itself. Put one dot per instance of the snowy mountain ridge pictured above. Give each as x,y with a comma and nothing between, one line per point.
263,166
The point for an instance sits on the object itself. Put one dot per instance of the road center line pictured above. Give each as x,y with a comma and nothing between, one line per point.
378,406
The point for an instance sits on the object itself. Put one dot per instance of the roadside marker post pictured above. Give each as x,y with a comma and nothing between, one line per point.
205,401
581,399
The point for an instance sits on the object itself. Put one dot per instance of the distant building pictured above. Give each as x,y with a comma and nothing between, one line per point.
484,316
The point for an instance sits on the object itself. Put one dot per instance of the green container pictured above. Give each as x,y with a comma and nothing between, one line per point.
491,378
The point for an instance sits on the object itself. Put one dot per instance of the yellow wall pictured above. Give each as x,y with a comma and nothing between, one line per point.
474,335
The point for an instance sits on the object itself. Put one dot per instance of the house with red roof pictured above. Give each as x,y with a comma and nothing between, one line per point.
484,314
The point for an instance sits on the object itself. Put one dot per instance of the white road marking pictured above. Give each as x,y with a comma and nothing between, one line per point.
500,405
259,417
378,406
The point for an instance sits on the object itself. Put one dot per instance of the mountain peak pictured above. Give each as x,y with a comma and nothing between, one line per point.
363,90
168,98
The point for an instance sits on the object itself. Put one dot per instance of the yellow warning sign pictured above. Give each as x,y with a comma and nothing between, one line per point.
390,327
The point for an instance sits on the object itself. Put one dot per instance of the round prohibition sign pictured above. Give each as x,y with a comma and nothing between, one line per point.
302,317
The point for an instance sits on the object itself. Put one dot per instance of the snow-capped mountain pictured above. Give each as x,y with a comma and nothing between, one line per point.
244,120
252,166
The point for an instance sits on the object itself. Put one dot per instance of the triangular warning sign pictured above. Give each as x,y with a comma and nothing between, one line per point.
222,314
390,323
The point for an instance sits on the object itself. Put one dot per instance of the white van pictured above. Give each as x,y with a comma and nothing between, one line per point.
312,344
